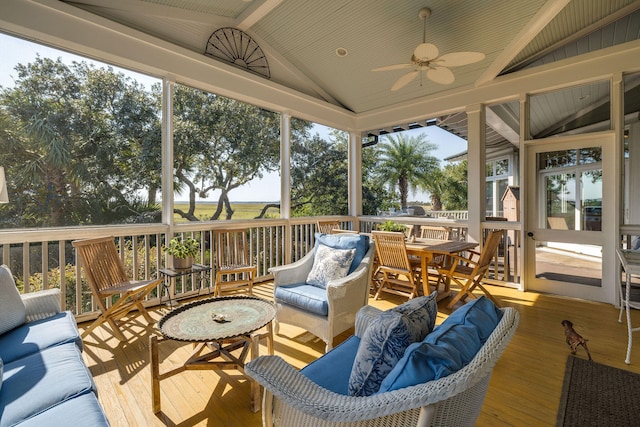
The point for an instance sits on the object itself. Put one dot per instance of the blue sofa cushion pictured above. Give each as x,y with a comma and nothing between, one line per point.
329,264
307,297
332,370
359,242
32,337
449,348
82,410
12,309
385,340
40,381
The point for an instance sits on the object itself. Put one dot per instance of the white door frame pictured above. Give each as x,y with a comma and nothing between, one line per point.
606,293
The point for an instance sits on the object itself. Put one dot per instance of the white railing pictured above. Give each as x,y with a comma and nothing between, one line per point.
47,259
44,258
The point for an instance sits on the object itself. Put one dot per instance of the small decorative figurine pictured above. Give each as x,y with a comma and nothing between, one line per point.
574,339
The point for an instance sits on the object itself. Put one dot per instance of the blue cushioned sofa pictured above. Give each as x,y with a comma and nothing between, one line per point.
44,379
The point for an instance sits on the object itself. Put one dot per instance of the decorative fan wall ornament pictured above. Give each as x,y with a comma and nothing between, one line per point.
236,47
426,58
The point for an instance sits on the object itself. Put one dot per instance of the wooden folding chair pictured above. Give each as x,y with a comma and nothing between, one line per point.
107,278
399,275
468,273
328,227
234,268
440,233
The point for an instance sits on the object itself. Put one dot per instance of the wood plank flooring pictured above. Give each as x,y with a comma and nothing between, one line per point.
525,387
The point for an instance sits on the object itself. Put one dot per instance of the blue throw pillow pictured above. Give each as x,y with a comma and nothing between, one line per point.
449,348
386,339
329,264
359,242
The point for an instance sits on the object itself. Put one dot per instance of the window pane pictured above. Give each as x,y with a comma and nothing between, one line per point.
502,167
591,184
84,137
226,157
590,155
557,159
560,201
489,199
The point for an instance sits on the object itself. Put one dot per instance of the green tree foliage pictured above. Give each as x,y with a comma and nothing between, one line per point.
81,143
220,144
406,163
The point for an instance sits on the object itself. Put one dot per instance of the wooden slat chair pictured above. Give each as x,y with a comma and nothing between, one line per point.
395,272
235,271
327,227
468,273
438,260
107,278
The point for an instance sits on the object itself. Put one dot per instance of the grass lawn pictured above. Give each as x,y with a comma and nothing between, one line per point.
240,211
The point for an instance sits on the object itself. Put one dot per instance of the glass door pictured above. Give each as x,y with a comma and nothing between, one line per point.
564,222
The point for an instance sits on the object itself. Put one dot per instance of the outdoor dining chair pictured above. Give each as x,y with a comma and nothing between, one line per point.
439,233
468,273
327,227
108,279
235,270
396,273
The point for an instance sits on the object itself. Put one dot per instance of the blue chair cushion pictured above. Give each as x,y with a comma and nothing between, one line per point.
329,264
332,370
82,410
42,380
359,242
32,337
384,341
307,297
449,348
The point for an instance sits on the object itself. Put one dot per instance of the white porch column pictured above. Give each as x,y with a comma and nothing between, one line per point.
355,176
476,174
285,179
167,154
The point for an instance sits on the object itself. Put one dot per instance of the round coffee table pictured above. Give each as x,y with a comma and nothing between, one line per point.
216,327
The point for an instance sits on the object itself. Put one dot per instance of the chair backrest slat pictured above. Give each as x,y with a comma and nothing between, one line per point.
391,249
103,267
489,248
435,232
327,227
232,247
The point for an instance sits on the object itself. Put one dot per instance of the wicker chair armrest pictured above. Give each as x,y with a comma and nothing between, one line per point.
295,272
41,304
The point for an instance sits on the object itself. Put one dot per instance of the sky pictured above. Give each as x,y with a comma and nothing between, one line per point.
16,51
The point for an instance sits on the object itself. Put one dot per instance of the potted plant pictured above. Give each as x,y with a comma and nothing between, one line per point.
183,251
392,226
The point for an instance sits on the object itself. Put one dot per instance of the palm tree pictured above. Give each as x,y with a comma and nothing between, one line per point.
406,162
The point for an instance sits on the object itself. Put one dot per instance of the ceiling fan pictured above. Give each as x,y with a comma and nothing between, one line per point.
425,58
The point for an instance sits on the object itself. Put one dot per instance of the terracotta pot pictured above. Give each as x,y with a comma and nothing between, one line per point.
182,263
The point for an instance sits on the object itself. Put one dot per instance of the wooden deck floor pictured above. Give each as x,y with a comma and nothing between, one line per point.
525,387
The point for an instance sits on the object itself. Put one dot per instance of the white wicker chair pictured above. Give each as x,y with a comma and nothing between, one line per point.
344,298
291,399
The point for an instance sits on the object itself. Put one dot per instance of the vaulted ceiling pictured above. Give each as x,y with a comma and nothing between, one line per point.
327,49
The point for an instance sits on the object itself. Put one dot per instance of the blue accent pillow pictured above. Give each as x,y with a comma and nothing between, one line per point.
331,370
359,242
385,340
449,348
329,264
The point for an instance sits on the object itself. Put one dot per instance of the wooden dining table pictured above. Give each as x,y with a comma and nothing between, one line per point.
426,249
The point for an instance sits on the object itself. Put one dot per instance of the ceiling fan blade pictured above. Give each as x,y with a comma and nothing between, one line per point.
456,59
441,75
404,80
426,52
393,67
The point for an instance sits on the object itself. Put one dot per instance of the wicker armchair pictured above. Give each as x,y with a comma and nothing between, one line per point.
291,399
344,298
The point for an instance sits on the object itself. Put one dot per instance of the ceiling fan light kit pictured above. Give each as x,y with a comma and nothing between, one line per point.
426,58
